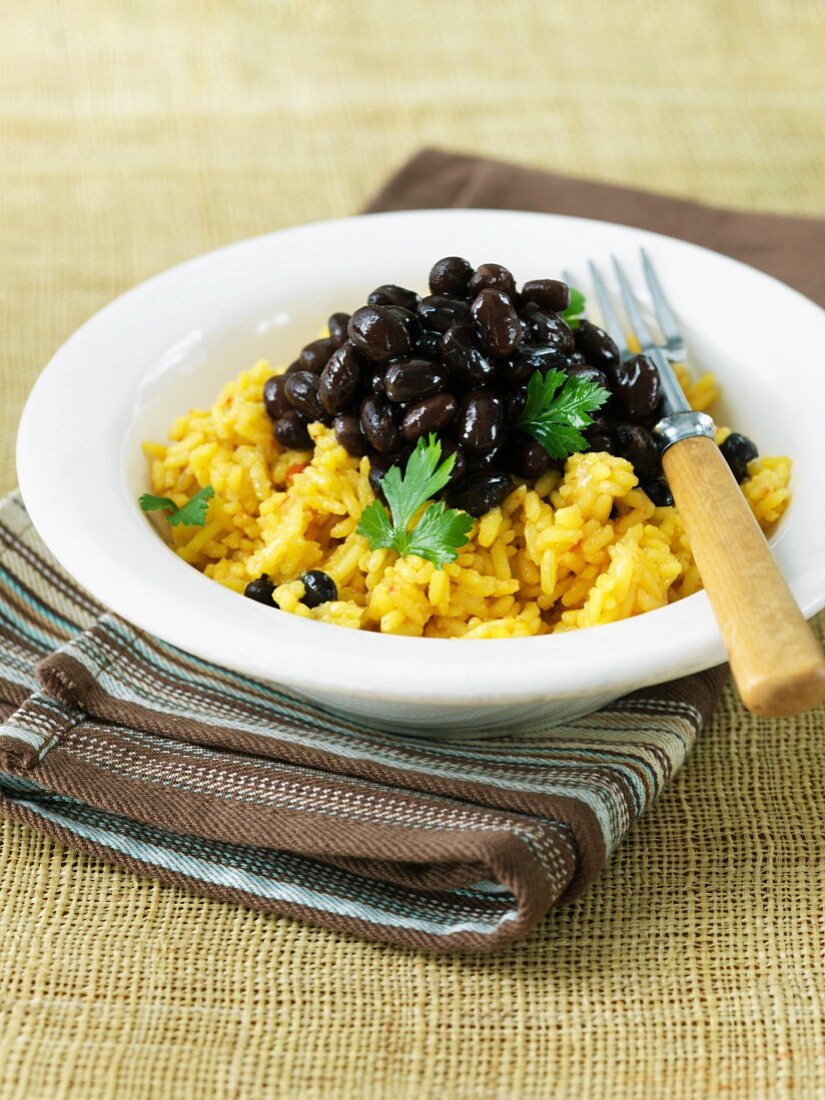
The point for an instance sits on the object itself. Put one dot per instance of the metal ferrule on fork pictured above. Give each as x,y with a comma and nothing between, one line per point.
680,421
683,425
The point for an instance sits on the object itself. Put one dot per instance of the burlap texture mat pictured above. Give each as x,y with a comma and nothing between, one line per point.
137,135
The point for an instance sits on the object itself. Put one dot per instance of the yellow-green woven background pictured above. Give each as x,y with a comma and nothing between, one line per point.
135,134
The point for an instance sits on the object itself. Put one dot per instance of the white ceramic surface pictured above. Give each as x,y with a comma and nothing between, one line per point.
173,341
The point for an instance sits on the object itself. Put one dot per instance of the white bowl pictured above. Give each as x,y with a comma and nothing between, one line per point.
173,341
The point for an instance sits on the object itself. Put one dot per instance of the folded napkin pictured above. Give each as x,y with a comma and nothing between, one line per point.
128,748
125,747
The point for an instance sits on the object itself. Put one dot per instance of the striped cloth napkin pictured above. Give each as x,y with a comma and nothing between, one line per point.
125,747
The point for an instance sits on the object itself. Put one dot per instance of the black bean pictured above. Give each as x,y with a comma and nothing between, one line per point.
379,333
514,402
276,402
319,587
478,493
513,371
525,457
291,431
497,320
487,461
596,346
598,435
440,313
378,425
392,295
637,387
551,330
539,358
450,276
450,447
409,321
738,451
314,356
428,344
479,421
550,294
302,391
376,381
590,374
639,447
433,414
659,492
495,276
347,428
599,425
412,379
340,379
260,590
576,360
600,441
337,325
379,464
461,350
293,368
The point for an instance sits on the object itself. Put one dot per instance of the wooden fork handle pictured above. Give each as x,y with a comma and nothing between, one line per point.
776,661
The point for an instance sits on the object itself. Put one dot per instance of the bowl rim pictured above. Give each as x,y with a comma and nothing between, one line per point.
668,642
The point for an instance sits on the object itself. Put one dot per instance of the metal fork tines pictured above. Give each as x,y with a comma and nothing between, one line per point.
668,325
608,314
672,338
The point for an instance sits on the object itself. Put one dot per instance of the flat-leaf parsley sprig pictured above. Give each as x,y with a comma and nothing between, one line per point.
574,311
557,406
192,514
440,532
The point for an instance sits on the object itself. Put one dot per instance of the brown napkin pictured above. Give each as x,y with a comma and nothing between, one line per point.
126,748
790,249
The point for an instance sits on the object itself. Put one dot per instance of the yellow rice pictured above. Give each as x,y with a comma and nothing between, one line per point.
575,550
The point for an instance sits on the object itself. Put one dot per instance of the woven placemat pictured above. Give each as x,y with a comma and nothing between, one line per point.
139,135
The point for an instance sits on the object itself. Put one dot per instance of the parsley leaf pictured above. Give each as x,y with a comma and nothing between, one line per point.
192,514
554,415
376,527
421,480
151,503
440,531
572,314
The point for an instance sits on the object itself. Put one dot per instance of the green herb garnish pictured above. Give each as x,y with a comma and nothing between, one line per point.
574,311
557,406
440,531
192,514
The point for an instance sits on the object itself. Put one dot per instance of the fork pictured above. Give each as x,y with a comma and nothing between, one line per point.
776,661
